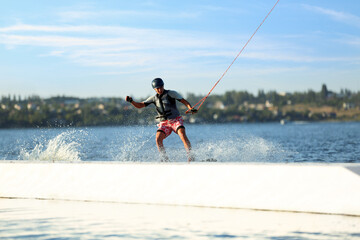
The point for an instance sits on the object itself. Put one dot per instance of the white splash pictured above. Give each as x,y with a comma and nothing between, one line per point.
235,149
63,147
244,149
133,148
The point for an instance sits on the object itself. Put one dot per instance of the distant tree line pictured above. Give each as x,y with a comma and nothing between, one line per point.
232,106
269,106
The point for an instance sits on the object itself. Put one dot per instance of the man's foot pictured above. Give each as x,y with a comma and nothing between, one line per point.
164,158
191,157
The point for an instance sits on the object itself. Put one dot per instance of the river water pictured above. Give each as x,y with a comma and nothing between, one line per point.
45,220
270,142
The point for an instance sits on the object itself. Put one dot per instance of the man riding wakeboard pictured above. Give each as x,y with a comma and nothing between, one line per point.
168,116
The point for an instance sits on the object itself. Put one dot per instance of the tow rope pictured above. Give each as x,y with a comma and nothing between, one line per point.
203,99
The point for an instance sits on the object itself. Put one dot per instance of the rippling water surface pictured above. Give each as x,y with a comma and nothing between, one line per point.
305,142
43,219
294,142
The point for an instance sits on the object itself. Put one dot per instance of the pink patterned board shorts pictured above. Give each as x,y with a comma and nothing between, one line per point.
171,125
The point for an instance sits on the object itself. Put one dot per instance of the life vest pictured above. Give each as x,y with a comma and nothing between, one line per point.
166,106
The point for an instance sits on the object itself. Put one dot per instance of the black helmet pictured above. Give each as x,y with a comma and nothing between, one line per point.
157,83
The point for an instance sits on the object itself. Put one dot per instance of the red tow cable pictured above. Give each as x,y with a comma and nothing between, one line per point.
203,99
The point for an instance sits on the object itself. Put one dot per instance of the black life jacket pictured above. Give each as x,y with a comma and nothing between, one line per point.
166,106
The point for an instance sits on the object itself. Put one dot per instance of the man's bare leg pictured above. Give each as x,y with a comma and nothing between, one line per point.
182,134
160,136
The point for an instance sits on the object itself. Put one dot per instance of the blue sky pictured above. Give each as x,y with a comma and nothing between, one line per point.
115,48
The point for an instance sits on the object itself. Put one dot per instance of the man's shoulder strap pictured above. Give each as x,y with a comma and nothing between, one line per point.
164,93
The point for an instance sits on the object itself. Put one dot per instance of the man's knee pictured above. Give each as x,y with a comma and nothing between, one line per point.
182,134
181,131
160,136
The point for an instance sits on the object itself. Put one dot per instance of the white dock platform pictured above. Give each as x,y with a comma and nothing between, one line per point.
327,189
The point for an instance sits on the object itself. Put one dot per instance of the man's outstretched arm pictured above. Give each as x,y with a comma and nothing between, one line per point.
135,104
188,105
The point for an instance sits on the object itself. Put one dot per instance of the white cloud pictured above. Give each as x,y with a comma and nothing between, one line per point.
76,15
69,16
83,29
278,56
124,47
353,41
156,37
44,28
53,54
344,17
60,41
116,46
